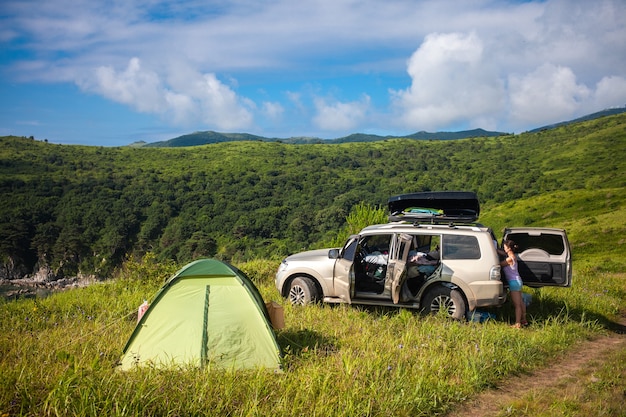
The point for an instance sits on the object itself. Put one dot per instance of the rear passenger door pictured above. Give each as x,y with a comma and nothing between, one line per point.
544,256
397,266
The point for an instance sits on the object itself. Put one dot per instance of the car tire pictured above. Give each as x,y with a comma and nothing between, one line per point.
451,300
302,291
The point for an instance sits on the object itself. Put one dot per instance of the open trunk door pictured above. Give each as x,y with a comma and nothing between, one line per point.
397,266
544,254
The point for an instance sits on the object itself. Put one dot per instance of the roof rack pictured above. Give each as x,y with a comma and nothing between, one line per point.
437,222
431,218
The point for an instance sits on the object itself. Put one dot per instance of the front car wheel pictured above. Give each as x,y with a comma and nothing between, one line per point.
302,291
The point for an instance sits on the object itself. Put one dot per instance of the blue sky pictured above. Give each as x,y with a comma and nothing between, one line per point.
109,73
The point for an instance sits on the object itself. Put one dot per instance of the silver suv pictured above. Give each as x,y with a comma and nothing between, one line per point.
431,256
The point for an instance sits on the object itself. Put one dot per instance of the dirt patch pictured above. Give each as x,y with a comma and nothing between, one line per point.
578,358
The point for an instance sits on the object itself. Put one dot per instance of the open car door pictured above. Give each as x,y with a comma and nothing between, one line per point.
545,257
344,270
397,266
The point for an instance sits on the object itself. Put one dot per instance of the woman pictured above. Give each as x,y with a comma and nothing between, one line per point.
509,267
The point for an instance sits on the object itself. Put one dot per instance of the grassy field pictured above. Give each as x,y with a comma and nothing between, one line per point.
58,354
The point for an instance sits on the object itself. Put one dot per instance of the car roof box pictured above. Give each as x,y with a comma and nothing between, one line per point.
435,206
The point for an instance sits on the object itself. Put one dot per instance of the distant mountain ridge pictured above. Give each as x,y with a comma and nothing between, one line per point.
211,137
596,115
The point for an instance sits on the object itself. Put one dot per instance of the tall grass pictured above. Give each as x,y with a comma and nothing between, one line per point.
58,357
58,354
362,215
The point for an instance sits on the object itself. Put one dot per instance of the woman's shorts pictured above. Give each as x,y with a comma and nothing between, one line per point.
515,285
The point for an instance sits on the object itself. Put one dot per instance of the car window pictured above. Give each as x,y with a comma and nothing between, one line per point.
553,244
376,244
423,243
460,247
350,249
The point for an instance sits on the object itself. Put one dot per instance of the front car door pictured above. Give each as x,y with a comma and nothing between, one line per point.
545,257
344,274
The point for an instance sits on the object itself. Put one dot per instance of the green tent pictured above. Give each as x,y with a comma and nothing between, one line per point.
207,314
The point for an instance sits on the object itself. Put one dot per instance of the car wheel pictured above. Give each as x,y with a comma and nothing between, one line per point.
303,291
447,299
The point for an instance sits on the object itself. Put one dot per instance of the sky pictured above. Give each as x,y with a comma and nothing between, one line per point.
113,72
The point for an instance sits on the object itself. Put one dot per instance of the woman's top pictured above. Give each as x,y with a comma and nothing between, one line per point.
510,271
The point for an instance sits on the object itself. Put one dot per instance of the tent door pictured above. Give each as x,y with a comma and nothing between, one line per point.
205,328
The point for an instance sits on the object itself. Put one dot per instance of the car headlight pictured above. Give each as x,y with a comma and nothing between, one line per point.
282,266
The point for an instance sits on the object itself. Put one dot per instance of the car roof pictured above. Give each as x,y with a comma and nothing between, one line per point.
415,227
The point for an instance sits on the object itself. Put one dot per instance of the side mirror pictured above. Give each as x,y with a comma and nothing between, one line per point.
333,254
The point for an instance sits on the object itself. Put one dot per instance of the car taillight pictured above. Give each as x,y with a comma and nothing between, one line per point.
494,273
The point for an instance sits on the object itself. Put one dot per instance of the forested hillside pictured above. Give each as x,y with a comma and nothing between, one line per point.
78,209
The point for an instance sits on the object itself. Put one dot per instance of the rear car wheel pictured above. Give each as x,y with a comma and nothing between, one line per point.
302,291
447,299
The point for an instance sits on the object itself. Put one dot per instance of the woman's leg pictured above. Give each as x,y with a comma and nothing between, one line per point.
516,297
523,321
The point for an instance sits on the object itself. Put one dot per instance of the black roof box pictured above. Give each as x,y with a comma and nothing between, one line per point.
435,206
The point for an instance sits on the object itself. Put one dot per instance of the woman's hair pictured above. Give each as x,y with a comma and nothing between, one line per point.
511,244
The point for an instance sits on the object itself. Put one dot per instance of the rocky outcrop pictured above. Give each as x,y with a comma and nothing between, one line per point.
10,270
42,282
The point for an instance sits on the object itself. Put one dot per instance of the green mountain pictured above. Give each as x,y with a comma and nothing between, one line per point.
204,138
84,209
603,113
210,137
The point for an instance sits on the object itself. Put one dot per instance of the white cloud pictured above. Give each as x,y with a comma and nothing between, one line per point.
197,98
295,99
451,82
28,122
134,86
181,109
220,105
610,92
552,93
340,116
273,110
547,94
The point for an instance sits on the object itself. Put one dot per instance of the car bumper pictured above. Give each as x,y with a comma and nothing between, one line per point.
488,294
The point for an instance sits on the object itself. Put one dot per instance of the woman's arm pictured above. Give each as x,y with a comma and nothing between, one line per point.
510,260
